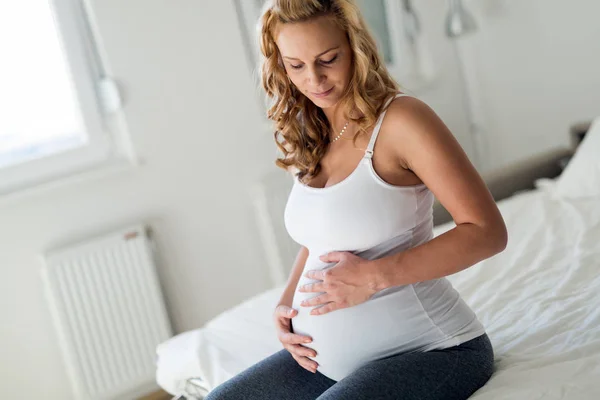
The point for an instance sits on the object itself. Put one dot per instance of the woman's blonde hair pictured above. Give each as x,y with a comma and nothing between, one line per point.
302,130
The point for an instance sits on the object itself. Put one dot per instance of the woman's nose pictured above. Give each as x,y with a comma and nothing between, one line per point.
315,76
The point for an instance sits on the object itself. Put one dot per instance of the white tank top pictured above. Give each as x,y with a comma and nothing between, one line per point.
371,218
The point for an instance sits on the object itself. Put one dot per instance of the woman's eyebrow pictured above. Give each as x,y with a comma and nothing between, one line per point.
317,56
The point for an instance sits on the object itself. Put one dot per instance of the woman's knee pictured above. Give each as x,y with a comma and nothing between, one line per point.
225,391
255,382
215,394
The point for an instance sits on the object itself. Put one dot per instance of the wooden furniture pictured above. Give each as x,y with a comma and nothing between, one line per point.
158,395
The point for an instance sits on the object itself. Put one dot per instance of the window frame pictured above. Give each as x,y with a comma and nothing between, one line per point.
100,109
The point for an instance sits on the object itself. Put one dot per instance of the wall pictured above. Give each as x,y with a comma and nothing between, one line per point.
195,122
537,63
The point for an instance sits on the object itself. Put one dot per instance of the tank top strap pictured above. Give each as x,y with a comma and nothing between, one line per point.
369,151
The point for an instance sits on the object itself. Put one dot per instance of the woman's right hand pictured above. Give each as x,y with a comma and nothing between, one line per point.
291,341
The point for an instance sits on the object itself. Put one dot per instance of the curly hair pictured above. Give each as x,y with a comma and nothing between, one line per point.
301,128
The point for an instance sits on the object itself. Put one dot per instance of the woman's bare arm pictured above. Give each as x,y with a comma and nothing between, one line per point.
426,146
297,268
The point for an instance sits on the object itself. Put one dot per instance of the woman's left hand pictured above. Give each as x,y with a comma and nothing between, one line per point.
346,284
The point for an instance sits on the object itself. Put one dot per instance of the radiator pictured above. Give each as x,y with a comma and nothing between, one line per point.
109,313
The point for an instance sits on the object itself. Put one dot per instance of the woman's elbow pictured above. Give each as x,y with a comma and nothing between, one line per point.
499,237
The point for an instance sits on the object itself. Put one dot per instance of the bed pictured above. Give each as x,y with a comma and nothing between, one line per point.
539,299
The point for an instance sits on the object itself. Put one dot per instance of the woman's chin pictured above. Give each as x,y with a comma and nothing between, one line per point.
325,102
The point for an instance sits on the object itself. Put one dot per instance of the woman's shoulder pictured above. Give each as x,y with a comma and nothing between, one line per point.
408,111
410,127
404,103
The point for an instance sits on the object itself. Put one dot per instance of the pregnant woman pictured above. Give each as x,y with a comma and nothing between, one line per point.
367,312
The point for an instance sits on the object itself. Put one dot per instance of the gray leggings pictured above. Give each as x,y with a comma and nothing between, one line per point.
454,373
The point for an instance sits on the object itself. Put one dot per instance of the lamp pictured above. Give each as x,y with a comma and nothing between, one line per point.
459,21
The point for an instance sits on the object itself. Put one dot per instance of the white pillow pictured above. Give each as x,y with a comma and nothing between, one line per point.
581,177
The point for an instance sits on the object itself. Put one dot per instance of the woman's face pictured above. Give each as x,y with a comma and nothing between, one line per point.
317,58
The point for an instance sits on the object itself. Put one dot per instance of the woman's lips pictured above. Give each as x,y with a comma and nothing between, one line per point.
323,94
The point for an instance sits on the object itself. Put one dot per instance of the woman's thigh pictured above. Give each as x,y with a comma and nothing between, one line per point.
450,374
277,377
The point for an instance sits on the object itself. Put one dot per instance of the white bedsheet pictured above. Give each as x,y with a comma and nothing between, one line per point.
539,301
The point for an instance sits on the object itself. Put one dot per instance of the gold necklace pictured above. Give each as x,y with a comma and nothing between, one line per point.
341,133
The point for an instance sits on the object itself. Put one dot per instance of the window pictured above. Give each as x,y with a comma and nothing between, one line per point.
57,108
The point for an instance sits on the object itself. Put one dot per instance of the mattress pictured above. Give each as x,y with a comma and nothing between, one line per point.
539,301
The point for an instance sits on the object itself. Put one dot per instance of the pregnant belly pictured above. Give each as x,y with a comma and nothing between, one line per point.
391,322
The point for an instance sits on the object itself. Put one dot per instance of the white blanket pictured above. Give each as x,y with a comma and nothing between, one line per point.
539,301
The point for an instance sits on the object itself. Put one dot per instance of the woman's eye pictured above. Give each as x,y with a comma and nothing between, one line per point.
326,62
330,61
